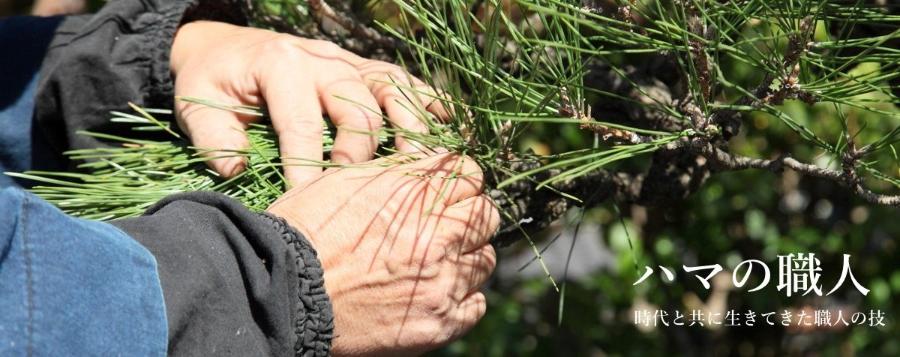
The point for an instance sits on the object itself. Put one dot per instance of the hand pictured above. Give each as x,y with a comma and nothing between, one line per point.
404,248
297,80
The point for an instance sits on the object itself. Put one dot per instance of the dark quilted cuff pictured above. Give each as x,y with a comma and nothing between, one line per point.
159,30
314,319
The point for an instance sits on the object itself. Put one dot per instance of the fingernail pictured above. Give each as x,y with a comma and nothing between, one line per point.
233,166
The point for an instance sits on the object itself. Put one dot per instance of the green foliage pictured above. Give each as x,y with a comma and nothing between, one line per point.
504,74
123,180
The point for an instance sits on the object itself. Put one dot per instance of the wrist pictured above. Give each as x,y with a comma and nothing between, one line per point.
180,46
191,37
314,316
291,221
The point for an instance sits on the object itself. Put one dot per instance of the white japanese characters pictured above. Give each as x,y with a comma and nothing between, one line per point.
798,273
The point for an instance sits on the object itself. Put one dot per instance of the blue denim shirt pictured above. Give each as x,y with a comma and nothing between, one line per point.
67,286
72,287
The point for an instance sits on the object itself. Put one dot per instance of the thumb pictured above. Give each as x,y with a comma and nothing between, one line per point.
217,134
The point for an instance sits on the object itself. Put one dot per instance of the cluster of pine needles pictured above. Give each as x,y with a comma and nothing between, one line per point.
122,180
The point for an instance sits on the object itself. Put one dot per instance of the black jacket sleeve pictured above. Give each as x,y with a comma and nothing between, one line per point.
98,63
235,283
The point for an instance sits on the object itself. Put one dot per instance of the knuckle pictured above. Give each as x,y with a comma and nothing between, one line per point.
229,167
283,45
331,48
365,119
387,75
304,128
437,302
490,257
476,306
450,240
326,48
396,74
446,333
441,246
387,91
430,267
281,51
471,167
471,172
437,332
381,68
480,305
495,218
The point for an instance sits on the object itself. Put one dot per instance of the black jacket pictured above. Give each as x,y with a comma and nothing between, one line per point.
234,282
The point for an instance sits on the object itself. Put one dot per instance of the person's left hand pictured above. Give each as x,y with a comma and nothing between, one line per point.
405,247
297,80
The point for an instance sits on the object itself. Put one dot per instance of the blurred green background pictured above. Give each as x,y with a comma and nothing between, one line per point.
735,216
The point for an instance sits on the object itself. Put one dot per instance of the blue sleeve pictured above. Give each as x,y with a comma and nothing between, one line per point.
24,41
74,287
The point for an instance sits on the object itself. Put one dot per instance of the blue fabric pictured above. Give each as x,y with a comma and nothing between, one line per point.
72,287
15,135
23,41
67,286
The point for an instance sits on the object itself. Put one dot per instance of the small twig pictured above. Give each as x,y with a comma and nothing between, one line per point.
732,162
798,44
522,200
701,61
583,113
321,10
764,94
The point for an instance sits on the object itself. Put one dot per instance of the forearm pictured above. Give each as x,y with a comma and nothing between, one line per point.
230,281
221,279
70,286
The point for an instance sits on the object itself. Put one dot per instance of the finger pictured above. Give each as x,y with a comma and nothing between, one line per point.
467,314
405,116
478,219
475,269
355,112
296,115
381,76
216,133
405,101
455,177
435,102
329,51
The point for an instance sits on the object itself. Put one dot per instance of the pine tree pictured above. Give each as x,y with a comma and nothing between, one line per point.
657,91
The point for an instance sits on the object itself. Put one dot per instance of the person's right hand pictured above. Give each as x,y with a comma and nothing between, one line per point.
297,80
405,249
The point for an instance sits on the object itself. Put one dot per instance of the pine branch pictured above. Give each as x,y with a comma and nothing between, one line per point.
370,37
847,178
652,70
